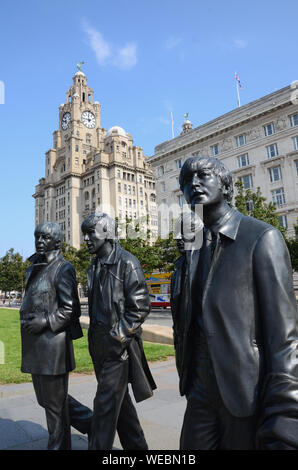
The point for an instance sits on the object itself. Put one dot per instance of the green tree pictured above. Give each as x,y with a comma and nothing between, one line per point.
167,253
254,204
80,259
12,272
292,244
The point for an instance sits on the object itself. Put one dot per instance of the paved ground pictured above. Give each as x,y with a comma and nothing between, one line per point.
23,423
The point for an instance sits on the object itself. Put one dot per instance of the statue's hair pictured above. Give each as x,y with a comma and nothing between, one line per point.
108,225
197,163
53,228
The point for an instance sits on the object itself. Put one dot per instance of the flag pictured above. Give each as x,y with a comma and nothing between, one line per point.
172,120
238,80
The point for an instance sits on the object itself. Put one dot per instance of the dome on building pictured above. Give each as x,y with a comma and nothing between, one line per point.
116,130
79,72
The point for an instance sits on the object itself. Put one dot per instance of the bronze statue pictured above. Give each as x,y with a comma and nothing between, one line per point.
118,305
49,316
235,324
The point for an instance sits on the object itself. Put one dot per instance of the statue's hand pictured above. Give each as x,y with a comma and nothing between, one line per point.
35,324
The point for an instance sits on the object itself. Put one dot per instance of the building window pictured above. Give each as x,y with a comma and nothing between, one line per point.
178,164
140,179
215,149
119,187
125,189
76,148
294,120
141,192
275,174
278,196
88,138
76,161
241,140
118,174
269,129
272,151
283,221
163,186
243,160
296,166
247,181
295,142
134,190
161,170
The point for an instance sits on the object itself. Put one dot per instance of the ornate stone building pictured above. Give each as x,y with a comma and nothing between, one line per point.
258,142
90,168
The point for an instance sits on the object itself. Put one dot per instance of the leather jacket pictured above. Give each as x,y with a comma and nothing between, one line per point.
51,291
126,304
250,323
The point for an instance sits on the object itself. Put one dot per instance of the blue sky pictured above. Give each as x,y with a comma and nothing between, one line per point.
145,59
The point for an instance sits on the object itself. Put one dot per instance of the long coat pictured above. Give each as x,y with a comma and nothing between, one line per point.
51,291
250,323
127,304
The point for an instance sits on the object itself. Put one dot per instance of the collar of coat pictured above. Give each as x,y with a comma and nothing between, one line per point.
36,258
113,257
229,224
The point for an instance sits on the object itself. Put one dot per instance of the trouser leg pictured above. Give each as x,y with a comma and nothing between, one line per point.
237,433
112,385
51,393
200,427
80,415
207,422
129,430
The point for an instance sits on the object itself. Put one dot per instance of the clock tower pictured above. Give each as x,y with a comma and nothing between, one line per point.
89,168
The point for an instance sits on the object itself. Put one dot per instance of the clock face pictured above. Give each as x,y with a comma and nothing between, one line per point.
88,119
65,121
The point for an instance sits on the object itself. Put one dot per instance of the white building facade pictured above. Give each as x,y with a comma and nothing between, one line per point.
258,142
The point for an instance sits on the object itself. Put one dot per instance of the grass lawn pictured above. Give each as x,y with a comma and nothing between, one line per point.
11,338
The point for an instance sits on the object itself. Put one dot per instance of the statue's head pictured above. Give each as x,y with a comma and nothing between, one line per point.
98,229
204,180
48,237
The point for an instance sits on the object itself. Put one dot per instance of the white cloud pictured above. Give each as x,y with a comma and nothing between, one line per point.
240,43
127,56
101,48
106,54
172,42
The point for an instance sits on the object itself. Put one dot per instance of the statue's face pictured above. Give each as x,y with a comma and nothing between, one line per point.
44,241
202,186
95,237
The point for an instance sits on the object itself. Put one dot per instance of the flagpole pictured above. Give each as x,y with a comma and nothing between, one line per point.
172,119
237,87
